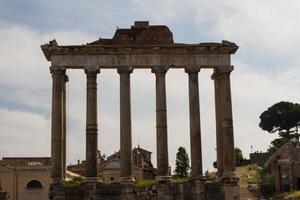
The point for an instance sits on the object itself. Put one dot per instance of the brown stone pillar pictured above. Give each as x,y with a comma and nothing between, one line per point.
64,139
161,124
125,125
219,136
91,123
291,181
276,169
227,145
195,127
58,74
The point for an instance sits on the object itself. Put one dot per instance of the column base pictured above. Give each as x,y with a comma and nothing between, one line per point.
57,180
92,179
198,178
127,180
163,178
230,178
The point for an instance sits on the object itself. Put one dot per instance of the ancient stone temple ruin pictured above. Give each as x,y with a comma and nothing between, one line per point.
144,46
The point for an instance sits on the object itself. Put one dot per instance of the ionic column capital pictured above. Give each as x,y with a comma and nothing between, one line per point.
222,70
57,70
192,70
159,70
66,78
125,70
91,70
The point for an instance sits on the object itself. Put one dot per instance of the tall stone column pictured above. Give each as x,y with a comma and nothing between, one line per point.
291,182
161,124
58,74
125,125
195,127
219,136
227,146
91,124
64,142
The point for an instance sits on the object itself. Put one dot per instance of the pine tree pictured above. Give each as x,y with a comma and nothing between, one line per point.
182,163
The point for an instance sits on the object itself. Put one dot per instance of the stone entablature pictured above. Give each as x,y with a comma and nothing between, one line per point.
205,55
225,47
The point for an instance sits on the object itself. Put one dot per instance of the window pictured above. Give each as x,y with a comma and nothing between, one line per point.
35,163
34,184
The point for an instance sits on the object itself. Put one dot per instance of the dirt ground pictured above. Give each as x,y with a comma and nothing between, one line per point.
245,194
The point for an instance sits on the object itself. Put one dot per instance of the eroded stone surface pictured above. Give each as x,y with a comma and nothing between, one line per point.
191,190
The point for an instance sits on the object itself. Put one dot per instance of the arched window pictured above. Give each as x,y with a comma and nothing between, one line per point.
34,184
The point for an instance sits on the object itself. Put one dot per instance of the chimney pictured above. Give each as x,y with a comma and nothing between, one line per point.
141,24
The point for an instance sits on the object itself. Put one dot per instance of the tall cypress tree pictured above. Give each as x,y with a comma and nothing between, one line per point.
182,163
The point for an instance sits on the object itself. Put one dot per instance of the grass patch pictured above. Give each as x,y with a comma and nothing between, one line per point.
249,174
293,195
288,196
142,184
75,181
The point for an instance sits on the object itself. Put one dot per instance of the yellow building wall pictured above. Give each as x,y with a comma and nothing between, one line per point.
14,183
7,183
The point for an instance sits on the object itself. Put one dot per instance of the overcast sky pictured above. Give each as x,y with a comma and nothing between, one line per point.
266,71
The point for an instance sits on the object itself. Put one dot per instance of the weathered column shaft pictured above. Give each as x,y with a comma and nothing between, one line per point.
125,124
226,120
91,123
291,184
195,127
58,74
64,139
219,135
161,122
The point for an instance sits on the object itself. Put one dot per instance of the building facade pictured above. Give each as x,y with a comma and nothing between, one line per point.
109,168
25,178
284,166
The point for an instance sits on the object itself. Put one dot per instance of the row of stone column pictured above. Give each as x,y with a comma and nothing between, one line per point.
225,156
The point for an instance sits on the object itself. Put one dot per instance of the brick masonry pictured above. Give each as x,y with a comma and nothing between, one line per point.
191,190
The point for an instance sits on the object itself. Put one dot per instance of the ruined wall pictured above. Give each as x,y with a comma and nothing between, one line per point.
191,190
3,195
259,158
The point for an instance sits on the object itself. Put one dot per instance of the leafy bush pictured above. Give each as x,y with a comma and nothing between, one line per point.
142,184
210,175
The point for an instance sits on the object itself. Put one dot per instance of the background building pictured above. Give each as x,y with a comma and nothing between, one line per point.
25,178
284,166
109,168
259,158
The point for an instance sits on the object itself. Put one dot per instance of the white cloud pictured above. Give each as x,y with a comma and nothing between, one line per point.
23,134
252,93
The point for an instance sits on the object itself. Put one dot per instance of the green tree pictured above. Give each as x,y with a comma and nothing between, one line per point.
282,118
182,163
277,143
238,156
239,159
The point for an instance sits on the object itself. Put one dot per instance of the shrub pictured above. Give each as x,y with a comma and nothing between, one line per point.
142,184
210,175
